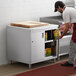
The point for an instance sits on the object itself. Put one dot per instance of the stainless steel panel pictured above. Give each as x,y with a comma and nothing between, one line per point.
52,20
64,49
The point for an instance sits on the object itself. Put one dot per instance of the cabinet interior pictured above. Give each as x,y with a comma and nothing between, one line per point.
50,47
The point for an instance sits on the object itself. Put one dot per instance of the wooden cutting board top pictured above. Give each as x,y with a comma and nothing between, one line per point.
29,24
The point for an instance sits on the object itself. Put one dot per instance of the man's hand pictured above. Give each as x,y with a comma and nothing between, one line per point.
65,30
62,28
59,37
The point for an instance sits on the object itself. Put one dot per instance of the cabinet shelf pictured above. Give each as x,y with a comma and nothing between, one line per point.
50,57
49,41
63,54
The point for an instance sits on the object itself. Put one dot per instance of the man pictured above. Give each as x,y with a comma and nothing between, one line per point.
69,17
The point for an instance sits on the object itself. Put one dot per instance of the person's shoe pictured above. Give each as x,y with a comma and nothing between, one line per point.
66,64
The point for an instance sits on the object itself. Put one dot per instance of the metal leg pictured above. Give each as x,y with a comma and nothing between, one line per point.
59,58
58,51
54,60
29,66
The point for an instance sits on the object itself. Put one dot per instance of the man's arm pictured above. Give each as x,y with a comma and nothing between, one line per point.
67,25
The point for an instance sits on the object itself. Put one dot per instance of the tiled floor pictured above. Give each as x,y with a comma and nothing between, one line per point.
11,69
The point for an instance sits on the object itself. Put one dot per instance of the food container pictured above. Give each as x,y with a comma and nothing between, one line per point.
56,33
48,52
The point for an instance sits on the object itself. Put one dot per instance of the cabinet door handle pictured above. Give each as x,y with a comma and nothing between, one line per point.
42,35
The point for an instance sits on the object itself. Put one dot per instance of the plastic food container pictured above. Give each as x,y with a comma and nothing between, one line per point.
57,33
